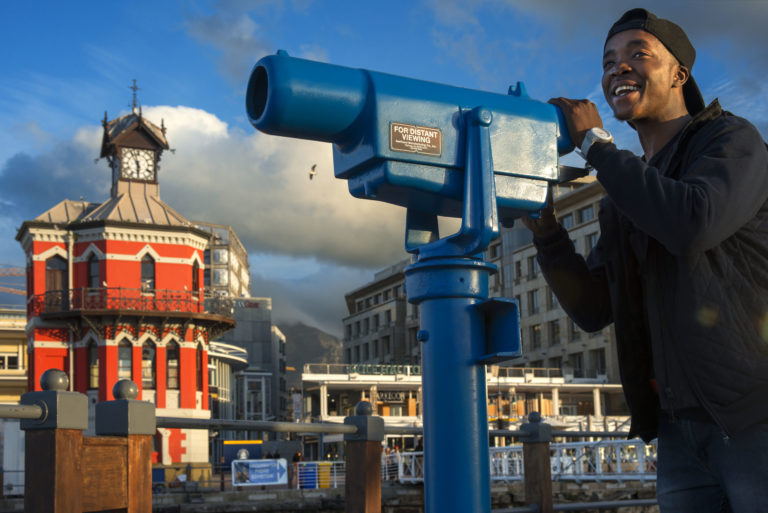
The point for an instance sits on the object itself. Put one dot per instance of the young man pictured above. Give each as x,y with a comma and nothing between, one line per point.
681,268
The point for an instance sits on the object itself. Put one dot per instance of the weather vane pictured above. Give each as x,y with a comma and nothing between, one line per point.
134,88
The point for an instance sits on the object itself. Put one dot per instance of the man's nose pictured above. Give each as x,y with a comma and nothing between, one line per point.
620,67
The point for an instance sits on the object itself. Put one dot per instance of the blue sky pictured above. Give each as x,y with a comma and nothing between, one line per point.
65,63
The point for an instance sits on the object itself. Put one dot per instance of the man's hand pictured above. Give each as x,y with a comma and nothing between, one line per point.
580,116
546,225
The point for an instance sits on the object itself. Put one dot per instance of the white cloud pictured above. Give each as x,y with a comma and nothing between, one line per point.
260,185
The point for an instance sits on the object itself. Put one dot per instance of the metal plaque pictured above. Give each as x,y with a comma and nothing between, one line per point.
415,139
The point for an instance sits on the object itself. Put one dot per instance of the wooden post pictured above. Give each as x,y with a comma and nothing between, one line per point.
536,463
134,422
52,477
363,454
53,447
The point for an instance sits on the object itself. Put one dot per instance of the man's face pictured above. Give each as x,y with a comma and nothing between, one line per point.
640,77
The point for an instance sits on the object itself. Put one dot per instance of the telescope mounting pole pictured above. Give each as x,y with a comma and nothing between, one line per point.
449,282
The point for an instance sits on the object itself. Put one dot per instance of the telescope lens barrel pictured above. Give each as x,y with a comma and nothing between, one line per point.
305,99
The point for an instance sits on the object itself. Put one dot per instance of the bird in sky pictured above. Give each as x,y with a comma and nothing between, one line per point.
313,171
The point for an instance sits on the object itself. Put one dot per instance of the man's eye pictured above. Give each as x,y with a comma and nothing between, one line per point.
607,64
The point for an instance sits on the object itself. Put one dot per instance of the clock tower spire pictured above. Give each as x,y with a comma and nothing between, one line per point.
133,146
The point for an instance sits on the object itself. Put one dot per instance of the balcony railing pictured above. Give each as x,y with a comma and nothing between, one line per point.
118,298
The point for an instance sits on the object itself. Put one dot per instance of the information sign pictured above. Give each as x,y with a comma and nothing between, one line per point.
259,472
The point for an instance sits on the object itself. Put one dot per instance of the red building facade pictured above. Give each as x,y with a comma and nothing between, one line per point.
115,291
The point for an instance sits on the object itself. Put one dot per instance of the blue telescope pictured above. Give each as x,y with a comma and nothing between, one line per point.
437,150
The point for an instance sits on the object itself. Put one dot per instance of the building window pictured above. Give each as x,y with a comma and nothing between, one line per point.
56,277
533,267
357,354
368,302
124,360
375,348
590,241
536,336
348,330
366,356
575,332
147,273
93,281
195,278
357,328
9,361
554,333
348,355
567,221
386,348
586,214
386,295
556,362
172,365
148,374
375,322
552,299
360,306
518,270
199,367
577,362
396,291
366,325
598,361
387,317
377,299
533,302
93,365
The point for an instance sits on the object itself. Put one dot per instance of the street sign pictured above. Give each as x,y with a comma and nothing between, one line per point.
259,472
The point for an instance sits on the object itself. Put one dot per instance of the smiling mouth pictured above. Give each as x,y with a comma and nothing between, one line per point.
624,90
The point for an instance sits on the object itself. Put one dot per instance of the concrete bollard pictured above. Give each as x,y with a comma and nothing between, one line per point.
536,465
53,447
363,453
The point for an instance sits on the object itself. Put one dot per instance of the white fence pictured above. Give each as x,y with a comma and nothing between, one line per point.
605,460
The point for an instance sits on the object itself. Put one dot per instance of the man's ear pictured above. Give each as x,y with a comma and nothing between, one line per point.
681,76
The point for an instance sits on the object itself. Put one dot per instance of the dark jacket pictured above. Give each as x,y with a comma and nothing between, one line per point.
681,268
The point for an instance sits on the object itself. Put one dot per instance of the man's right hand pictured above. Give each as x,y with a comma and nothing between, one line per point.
546,225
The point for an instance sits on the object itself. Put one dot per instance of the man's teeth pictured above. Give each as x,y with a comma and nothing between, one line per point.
625,89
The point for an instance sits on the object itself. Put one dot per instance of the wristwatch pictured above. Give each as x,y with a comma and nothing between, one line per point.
594,135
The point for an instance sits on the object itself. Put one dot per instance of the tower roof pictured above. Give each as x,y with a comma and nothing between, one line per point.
116,129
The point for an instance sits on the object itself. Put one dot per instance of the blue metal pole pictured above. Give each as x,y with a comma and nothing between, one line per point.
457,467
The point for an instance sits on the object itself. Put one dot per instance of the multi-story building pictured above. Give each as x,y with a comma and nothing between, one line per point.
550,338
227,272
381,326
115,290
262,390
13,354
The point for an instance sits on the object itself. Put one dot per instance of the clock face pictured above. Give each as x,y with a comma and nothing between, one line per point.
137,164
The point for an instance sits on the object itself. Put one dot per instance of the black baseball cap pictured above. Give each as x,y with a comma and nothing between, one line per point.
674,39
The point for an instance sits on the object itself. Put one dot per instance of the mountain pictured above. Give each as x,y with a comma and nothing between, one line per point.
305,344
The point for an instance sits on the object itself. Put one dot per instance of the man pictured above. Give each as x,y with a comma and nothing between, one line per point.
681,268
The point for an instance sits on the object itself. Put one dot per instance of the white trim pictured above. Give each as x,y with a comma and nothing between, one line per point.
49,344
142,235
48,253
123,335
145,336
86,255
170,336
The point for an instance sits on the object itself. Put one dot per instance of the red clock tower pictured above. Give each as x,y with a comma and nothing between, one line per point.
115,290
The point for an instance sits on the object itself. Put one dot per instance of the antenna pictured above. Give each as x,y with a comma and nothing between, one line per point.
134,88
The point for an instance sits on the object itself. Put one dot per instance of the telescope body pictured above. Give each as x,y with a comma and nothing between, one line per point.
403,141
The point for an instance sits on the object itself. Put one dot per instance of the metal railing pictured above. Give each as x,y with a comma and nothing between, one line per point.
604,460
320,474
119,298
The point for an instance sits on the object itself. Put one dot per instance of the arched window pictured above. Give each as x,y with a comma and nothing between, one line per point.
56,274
199,367
195,278
147,273
172,365
93,364
124,360
148,375
93,281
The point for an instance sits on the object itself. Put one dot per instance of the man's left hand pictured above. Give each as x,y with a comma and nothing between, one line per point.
580,116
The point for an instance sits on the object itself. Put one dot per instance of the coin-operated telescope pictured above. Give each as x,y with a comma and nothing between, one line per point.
437,150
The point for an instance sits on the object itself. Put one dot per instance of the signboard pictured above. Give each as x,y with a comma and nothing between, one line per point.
259,472
241,450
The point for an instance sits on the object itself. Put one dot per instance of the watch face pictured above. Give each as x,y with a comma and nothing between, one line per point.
602,133
137,164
